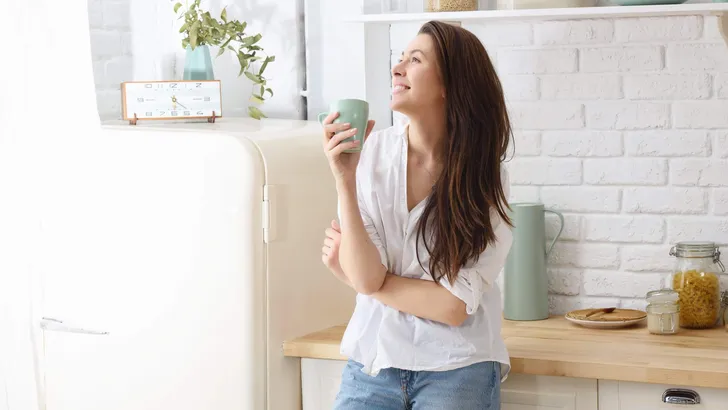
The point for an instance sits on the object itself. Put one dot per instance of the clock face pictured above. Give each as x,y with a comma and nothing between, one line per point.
171,99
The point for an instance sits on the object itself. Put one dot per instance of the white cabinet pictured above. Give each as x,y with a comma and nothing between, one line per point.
320,381
528,392
321,378
617,395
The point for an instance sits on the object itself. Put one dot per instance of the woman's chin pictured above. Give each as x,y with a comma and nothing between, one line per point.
399,106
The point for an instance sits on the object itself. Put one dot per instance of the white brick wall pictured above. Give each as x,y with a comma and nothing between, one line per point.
623,126
110,25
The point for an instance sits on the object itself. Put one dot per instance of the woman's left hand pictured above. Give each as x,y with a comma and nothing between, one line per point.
330,252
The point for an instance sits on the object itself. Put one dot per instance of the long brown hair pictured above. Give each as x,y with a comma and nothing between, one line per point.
458,210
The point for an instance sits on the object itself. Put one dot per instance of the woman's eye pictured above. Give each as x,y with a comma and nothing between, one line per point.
415,59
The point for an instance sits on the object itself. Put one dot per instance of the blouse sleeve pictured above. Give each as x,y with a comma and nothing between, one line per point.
364,184
476,278
370,228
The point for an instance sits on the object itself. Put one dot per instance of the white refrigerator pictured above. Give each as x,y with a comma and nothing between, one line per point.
174,261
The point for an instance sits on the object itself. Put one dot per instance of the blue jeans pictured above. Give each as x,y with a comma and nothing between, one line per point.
475,387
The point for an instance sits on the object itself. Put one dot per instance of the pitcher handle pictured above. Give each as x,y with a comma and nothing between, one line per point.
561,229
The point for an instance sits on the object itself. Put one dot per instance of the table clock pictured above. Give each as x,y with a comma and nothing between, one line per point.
171,100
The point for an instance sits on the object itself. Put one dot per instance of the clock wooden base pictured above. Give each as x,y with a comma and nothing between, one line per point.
211,119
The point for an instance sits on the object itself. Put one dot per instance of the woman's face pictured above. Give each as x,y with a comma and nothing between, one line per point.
417,86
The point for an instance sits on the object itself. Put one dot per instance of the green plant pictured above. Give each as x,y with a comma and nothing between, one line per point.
200,28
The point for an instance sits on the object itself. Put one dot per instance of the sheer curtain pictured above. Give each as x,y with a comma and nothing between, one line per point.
47,108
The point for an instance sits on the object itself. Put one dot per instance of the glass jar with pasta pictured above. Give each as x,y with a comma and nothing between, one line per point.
696,280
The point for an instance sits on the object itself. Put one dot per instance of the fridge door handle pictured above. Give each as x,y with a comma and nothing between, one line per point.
52,324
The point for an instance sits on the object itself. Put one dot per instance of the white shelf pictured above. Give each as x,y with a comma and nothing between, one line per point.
564,13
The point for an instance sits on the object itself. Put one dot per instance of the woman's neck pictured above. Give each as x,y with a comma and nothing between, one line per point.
426,138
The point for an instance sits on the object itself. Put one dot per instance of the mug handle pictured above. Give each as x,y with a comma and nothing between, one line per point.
561,229
322,116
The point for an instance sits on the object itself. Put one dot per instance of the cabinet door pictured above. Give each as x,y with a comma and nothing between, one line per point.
321,379
529,392
616,395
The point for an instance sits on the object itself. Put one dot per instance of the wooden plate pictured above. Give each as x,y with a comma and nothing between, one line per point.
618,318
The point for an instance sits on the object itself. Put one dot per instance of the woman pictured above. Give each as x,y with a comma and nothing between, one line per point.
424,234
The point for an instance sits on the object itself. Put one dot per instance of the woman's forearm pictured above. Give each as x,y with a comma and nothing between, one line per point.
358,256
422,298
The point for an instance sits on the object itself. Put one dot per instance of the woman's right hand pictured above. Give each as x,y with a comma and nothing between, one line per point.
343,164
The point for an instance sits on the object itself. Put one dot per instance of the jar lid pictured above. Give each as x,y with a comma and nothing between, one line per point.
694,249
662,296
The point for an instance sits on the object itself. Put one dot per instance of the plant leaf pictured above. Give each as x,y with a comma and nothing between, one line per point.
243,64
253,77
225,44
262,67
193,33
177,7
183,28
269,91
254,112
250,40
223,15
256,99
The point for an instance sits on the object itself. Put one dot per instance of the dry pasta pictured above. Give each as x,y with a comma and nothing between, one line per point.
699,298
451,5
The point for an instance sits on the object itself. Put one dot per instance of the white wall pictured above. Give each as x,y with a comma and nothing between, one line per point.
622,125
138,40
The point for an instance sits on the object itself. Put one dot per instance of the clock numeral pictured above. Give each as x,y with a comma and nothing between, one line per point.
162,113
173,85
198,85
149,113
186,113
207,98
200,113
174,113
160,85
147,86
140,99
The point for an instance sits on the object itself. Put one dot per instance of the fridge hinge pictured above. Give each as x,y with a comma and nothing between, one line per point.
269,214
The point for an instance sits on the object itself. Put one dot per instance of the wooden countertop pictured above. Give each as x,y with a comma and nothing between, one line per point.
556,347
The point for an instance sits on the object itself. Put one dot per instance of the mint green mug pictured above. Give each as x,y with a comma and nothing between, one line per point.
353,111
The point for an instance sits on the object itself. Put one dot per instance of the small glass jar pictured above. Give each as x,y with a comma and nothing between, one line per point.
394,6
663,312
451,5
696,281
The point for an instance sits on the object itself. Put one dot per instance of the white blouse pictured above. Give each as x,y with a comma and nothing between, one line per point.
379,336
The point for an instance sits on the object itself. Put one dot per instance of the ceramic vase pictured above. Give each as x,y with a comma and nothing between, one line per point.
198,64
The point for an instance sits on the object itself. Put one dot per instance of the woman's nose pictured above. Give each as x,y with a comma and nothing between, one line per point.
397,70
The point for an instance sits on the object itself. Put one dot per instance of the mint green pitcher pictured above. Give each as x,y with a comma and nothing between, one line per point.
526,287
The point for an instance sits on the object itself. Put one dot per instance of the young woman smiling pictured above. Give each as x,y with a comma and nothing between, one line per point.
424,234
